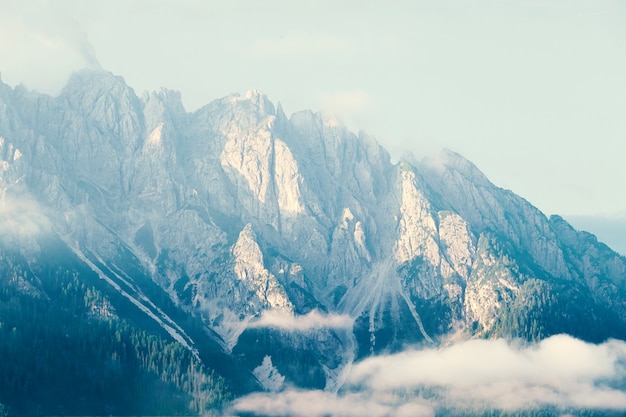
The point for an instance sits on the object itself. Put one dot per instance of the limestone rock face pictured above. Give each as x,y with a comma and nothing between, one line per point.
493,284
457,241
256,281
417,227
236,209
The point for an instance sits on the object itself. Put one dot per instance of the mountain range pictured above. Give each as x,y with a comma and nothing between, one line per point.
234,249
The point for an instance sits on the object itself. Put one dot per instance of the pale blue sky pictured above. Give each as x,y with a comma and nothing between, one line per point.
532,91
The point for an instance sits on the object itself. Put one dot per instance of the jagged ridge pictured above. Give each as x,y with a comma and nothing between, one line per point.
237,209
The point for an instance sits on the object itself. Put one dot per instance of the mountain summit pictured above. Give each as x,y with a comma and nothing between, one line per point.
290,246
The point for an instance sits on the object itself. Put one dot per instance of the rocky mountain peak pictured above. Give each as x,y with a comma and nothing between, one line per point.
450,164
86,86
260,101
163,106
235,210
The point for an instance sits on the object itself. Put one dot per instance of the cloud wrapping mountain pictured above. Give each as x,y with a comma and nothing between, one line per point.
311,321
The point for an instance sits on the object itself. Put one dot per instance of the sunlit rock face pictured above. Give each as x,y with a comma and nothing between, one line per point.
237,209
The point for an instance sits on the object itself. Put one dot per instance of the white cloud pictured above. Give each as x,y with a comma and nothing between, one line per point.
354,109
311,321
21,217
560,371
35,36
492,361
320,404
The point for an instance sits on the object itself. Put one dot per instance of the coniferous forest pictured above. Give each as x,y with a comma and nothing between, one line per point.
65,351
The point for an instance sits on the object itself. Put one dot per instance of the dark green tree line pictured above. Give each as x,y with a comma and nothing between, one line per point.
64,350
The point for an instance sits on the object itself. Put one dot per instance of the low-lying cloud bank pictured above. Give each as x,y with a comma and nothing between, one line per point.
311,321
560,372
318,403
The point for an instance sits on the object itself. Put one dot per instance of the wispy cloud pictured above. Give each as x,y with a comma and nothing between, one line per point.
311,321
21,217
317,403
560,372
32,38
351,108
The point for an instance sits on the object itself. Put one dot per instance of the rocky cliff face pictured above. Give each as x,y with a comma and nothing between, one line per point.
235,210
